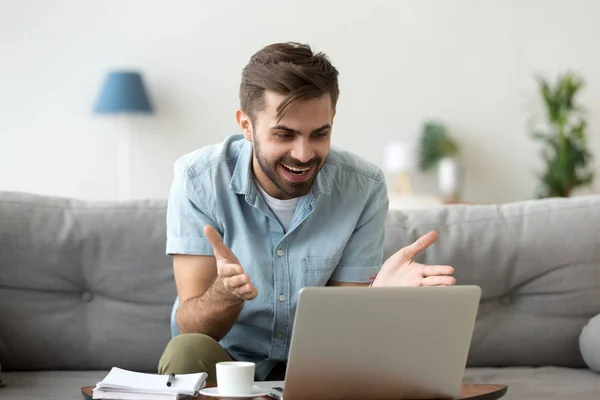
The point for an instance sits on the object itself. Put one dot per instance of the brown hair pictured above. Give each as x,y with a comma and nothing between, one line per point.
290,69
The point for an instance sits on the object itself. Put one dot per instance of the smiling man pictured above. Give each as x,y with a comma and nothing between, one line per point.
257,217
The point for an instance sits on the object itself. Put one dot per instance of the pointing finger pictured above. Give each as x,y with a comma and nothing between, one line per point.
421,244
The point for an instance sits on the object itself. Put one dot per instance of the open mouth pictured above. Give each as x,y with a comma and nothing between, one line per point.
296,174
296,171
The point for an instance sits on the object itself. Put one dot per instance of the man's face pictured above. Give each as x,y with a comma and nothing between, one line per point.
289,153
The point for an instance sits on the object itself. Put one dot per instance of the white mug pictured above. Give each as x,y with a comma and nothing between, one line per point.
235,378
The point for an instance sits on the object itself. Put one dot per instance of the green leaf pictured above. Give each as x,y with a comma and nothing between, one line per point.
578,130
565,152
435,144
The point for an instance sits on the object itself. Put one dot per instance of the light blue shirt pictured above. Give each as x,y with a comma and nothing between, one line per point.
337,233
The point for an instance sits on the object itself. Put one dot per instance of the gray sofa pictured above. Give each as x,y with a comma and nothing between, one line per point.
85,286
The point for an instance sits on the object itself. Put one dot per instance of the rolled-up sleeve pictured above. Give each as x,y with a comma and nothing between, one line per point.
187,215
363,255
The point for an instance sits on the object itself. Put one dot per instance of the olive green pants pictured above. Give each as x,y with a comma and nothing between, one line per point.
191,353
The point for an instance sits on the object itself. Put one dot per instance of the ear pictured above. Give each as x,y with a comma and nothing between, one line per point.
244,123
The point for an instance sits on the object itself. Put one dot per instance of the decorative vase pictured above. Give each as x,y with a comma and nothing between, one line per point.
449,179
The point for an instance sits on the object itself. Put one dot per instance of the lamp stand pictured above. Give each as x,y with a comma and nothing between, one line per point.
123,157
403,184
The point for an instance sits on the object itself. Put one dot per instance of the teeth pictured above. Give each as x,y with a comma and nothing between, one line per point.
296,169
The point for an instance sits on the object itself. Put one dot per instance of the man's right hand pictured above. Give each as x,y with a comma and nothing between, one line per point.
229,270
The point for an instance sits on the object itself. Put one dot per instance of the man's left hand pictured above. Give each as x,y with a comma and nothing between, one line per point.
401,270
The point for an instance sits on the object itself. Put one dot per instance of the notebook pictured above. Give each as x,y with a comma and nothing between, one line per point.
129,385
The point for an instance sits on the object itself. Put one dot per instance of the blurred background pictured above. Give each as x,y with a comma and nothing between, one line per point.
442,94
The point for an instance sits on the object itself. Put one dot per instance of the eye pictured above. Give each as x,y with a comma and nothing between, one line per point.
284,135
320,135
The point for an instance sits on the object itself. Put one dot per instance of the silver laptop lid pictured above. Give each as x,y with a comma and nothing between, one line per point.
385,343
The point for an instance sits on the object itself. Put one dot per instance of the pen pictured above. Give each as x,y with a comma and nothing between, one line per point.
170,380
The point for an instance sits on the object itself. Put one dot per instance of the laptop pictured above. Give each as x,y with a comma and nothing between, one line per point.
380,343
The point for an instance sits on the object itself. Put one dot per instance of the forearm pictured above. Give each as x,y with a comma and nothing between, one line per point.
212,314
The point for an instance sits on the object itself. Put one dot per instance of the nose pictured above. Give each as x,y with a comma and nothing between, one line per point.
302,150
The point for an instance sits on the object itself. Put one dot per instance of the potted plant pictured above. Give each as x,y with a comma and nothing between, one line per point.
439,150
563,135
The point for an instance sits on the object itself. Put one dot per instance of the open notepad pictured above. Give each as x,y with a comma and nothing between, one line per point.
128,385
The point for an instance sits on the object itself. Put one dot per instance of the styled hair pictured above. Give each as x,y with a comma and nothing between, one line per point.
290,69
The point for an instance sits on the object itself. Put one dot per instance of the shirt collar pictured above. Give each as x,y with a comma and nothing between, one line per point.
241,178
242,181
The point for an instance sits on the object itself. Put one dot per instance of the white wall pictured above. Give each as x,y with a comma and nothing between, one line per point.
467,62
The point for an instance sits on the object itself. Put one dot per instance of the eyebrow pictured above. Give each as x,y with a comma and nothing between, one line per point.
290,130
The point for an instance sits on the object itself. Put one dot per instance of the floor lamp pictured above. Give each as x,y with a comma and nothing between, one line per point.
399,160
123,92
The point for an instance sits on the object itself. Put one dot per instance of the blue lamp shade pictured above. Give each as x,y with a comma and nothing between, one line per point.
123,92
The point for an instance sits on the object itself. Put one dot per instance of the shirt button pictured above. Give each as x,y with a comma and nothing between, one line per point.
279,252
282,298
279,335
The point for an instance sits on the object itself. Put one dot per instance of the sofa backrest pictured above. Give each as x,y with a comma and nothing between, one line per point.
86,285
537,262
83,285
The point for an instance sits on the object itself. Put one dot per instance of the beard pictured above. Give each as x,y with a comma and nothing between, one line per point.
288,188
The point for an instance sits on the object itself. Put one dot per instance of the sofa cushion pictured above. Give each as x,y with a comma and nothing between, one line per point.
104,299
83,285
589,343
537,263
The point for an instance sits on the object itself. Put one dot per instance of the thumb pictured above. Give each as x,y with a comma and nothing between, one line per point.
220,249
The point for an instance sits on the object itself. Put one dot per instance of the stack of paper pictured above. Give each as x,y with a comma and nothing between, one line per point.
122,384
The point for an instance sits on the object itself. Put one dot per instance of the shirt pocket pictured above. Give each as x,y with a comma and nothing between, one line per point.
316,271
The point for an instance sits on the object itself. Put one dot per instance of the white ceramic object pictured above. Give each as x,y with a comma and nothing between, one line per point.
448,171
235,378
216,392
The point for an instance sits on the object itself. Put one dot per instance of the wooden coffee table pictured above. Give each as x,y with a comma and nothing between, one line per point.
468,391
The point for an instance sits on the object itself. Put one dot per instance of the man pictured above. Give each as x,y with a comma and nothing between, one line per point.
257,217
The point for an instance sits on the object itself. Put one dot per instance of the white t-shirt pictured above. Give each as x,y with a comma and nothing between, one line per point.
283,209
